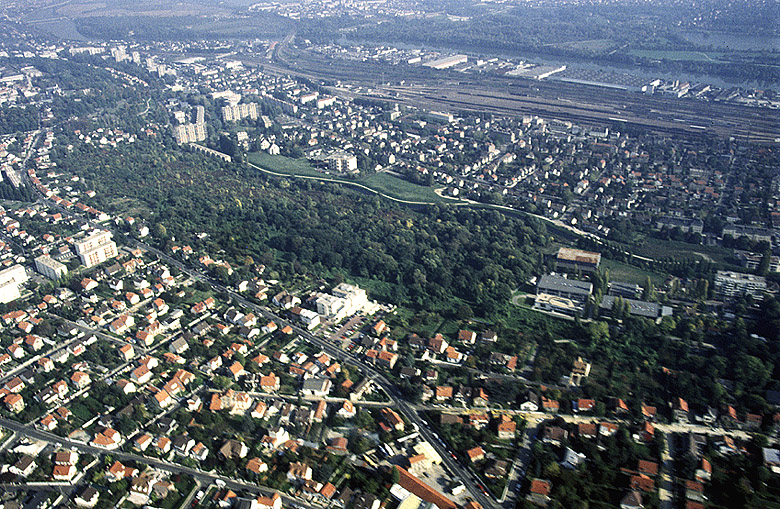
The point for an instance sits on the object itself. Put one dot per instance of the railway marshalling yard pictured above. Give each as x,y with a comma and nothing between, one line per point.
584,104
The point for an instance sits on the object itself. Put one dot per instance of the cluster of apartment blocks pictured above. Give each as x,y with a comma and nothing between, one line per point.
95,248
236,112
730,285
191,132
345,300
561,294
92,250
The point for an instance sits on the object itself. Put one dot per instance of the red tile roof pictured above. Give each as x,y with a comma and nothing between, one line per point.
541,487
414,485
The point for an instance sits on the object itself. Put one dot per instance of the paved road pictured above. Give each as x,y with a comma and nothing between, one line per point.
460,473
18,369
378,378
203,478
666,489
520,463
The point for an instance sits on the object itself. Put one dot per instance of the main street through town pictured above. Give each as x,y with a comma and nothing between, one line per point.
459,472
477,492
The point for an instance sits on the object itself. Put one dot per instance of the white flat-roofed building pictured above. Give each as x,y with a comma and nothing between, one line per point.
547,302
356,297
651,310
50,267
440,116
447,62
10,281
309,318
240,111
330,306
346,300
752,261
324,102
736,284
96,248
751,232
189,133
342,163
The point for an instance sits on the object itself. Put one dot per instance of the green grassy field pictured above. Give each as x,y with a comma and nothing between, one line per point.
587,45
523,319
619,271
281,164
660,249
380,182
449,328
402,189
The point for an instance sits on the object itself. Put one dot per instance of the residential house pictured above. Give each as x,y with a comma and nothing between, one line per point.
347,410
24,466
554,435
233,449
467,336
80,380
392,419
550,405
572,459
127,352
539,492
475,454
162,399
299,472
88,497
256,466
506,429
272,502
443,392
319,387
141,375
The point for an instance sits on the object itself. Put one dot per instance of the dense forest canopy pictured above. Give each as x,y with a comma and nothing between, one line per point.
428,257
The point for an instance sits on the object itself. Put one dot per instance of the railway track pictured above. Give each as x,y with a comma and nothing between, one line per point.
550,99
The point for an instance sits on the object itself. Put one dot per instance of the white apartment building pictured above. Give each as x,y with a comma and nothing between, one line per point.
10,281
96,248
50,267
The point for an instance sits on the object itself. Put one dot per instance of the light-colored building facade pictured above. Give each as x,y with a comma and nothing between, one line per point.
346,300
342,163
240,111
189,133
10,281
730,285
50,267
96,248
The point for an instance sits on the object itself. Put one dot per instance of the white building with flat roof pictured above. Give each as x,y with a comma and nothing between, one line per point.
342,163
346,300
356,297
50,267
10,281
447,62
240,111
96,248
